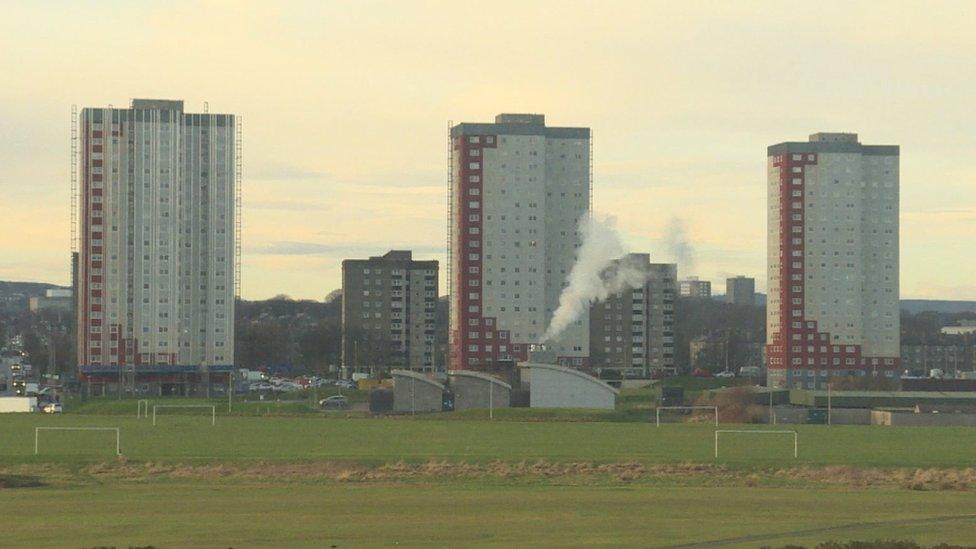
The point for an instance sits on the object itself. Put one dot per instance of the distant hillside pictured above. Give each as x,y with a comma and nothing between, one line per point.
29,289
14,296
915,306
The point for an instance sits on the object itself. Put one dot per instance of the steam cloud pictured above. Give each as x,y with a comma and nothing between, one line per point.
600,270
676,239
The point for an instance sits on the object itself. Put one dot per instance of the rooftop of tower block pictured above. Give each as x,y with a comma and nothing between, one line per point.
158,104
510,118
832,142
519,124
828,137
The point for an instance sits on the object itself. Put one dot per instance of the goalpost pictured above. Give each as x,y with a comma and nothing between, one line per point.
796,444
213,410
142,404
659,408
37,435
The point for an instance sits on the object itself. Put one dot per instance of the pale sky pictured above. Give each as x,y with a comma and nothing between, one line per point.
346,109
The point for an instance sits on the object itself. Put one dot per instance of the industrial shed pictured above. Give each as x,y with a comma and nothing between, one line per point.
475,390
552,386
413,392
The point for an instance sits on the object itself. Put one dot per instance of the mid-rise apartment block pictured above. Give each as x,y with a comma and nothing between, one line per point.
632,331
388,313
518,191
695,287
740,290
832,260
156,235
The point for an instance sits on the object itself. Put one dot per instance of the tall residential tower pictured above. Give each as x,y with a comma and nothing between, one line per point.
832,261
518,190
156,269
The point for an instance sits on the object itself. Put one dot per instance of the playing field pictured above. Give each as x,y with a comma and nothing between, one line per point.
321,481
191,438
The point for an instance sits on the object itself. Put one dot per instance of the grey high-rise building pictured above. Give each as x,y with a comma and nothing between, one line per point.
832,260
389,313
518,190
156,237
632,331
740,290
694,287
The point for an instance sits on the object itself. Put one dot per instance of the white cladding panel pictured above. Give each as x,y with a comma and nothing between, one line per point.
850,211
851,208
535,190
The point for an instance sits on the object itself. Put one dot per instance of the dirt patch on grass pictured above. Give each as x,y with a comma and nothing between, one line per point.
618,472
19,481
915,479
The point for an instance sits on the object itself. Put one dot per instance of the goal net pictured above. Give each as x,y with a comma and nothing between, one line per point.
737,432
213,410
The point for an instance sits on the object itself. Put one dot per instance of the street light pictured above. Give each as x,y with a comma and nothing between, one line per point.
828,403
491,399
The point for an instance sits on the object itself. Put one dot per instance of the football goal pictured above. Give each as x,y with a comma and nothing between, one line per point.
687,408
796,442
142,408
213,410
37,435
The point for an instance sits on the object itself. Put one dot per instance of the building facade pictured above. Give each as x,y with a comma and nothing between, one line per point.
156,268
518,191
389,316
632,331
832,260
740,291
694,287
60,300
951,358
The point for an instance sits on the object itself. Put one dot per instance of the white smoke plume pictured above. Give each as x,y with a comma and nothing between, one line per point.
681,250
600,270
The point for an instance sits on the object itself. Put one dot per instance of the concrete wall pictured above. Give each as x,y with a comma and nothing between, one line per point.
838,416
413,392
474,390
559,387
921,420
850,416
17,404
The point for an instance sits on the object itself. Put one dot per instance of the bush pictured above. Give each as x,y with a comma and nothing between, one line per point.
735,405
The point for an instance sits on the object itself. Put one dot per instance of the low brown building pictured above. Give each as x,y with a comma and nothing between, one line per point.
632,332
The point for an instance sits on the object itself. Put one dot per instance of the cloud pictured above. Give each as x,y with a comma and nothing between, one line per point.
352,249
287,205
277,170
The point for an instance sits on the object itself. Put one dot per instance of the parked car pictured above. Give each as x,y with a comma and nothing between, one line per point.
725,374
334,401
346,384
262,386
52,408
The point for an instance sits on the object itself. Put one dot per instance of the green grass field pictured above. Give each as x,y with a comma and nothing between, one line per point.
184,437
460,514
257,480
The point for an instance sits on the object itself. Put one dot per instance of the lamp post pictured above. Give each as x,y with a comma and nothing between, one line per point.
829,403
491,399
